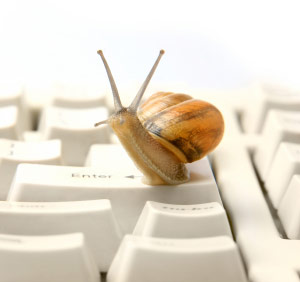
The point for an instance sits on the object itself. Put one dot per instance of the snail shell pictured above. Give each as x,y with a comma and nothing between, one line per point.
189,128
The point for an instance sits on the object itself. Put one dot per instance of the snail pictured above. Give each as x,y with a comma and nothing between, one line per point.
165,132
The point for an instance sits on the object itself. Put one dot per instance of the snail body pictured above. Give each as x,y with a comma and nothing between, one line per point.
165,132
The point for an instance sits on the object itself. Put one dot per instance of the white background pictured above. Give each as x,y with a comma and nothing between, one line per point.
209,44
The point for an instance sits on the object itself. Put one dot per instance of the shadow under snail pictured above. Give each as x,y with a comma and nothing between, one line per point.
165,132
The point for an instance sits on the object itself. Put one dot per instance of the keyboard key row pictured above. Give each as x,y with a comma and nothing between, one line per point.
95,219
68,257
92,218
268,257
128,195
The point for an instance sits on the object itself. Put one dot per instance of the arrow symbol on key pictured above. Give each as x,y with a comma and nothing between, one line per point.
130,176
133,176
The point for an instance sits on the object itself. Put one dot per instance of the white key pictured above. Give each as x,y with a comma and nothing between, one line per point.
13,153
263,98
92,218
273,274
10,123
75,128
77,96
100,154
13,95
289,209
177,260
128,195
30,136
182,221
286,163
57,258
280,126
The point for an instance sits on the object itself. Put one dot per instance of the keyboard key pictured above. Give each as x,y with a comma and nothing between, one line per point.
274,274
177,260
128,195
182,221
100,154
280,126
13,153
30,136
286,163
289,209
265,97
77,96
11,126
75,128
92,218
58,258
13,95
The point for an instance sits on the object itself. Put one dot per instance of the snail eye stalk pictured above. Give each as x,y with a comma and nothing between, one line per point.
117,100
136,101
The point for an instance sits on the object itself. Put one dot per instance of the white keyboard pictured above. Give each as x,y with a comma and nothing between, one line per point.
73,206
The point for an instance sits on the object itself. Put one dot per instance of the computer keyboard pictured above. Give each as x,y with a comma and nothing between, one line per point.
73,206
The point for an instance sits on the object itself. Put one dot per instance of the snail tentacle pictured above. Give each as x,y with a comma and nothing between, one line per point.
117,100
136,101
101,122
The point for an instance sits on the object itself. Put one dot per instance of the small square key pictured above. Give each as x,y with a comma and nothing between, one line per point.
10,123
265,97
286,163
13,153
75,128
13,95
77,96
280,126
57,258
211,259
182,221
289,209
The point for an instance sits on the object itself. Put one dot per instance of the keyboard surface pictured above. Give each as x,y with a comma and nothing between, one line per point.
73,206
